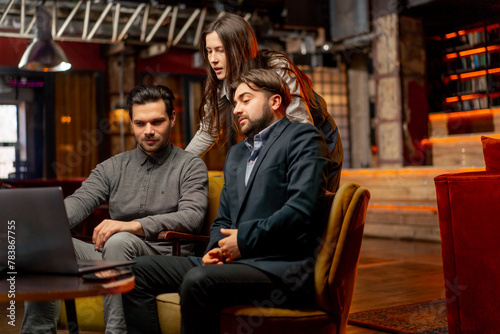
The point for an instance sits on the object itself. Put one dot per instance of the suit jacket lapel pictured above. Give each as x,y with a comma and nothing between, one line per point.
275,134
240,173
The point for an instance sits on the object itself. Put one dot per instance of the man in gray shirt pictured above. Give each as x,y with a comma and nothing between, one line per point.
153,188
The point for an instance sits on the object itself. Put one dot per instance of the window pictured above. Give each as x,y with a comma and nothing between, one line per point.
12,139
331,84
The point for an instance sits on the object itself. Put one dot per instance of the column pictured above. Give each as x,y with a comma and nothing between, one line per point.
388,129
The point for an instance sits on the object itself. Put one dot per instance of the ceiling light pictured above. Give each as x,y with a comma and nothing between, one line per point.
43,54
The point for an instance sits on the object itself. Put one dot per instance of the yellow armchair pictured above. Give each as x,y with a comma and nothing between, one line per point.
215,184
335,274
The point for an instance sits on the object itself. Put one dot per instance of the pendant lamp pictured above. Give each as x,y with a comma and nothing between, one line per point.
43,54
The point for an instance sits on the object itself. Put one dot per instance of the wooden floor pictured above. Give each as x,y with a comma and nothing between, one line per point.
391,273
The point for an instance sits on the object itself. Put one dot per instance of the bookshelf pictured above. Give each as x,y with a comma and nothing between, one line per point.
472,77
470,95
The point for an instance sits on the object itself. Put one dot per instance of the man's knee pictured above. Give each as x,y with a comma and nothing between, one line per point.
120,246
85,250
143,265
196,282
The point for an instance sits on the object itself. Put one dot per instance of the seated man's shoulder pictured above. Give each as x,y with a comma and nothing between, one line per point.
296,127
120,157
180,155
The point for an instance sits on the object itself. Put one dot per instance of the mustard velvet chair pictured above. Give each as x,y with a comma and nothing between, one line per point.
335,274
89,315
89,310
215,184
168,304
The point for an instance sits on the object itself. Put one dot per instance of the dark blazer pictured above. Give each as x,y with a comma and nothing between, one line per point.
278,213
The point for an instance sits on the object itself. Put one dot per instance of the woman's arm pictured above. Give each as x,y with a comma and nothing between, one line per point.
205,138
297,111
201,142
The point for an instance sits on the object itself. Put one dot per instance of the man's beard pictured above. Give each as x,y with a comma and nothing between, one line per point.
150,149
256,126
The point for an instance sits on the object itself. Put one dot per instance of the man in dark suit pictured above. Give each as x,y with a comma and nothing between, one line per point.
263,241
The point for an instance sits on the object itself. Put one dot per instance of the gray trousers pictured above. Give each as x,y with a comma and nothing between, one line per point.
42,317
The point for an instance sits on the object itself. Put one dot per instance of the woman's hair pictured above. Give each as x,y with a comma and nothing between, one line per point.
242,55
267,81
240,46
269,59
143,94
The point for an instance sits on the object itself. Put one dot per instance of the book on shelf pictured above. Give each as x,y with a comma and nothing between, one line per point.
471,73
469,85
473,104
468,63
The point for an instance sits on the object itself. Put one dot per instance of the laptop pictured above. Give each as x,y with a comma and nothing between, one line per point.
33,222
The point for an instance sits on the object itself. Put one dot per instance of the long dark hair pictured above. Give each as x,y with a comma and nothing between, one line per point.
242,55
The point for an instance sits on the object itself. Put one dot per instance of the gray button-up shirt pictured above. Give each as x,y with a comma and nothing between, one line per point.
167,191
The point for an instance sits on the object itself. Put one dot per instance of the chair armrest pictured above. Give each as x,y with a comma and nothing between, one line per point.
177,237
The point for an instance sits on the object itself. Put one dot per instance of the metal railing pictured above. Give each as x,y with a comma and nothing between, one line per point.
156,26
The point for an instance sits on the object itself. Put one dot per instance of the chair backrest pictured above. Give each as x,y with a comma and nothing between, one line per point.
468,221
338,255
215,184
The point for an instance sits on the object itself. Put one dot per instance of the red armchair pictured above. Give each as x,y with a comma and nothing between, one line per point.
469,221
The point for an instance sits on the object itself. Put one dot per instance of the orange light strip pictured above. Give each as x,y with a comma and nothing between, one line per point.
452,99
431,141
450,35
470,52
471,96
493,48
403,207
351,173
479,50
458,33
493,26
463,114
463,32
473,74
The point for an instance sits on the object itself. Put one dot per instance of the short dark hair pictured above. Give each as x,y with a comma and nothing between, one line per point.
264,80
142,94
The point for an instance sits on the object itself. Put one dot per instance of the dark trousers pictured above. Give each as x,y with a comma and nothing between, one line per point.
204,292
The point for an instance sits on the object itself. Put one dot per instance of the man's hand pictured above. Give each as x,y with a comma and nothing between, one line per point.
108,227
229,245
213,256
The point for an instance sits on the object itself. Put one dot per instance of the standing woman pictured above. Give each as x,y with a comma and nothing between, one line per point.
229,49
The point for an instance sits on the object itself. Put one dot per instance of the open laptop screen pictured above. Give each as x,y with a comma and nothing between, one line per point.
35,225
